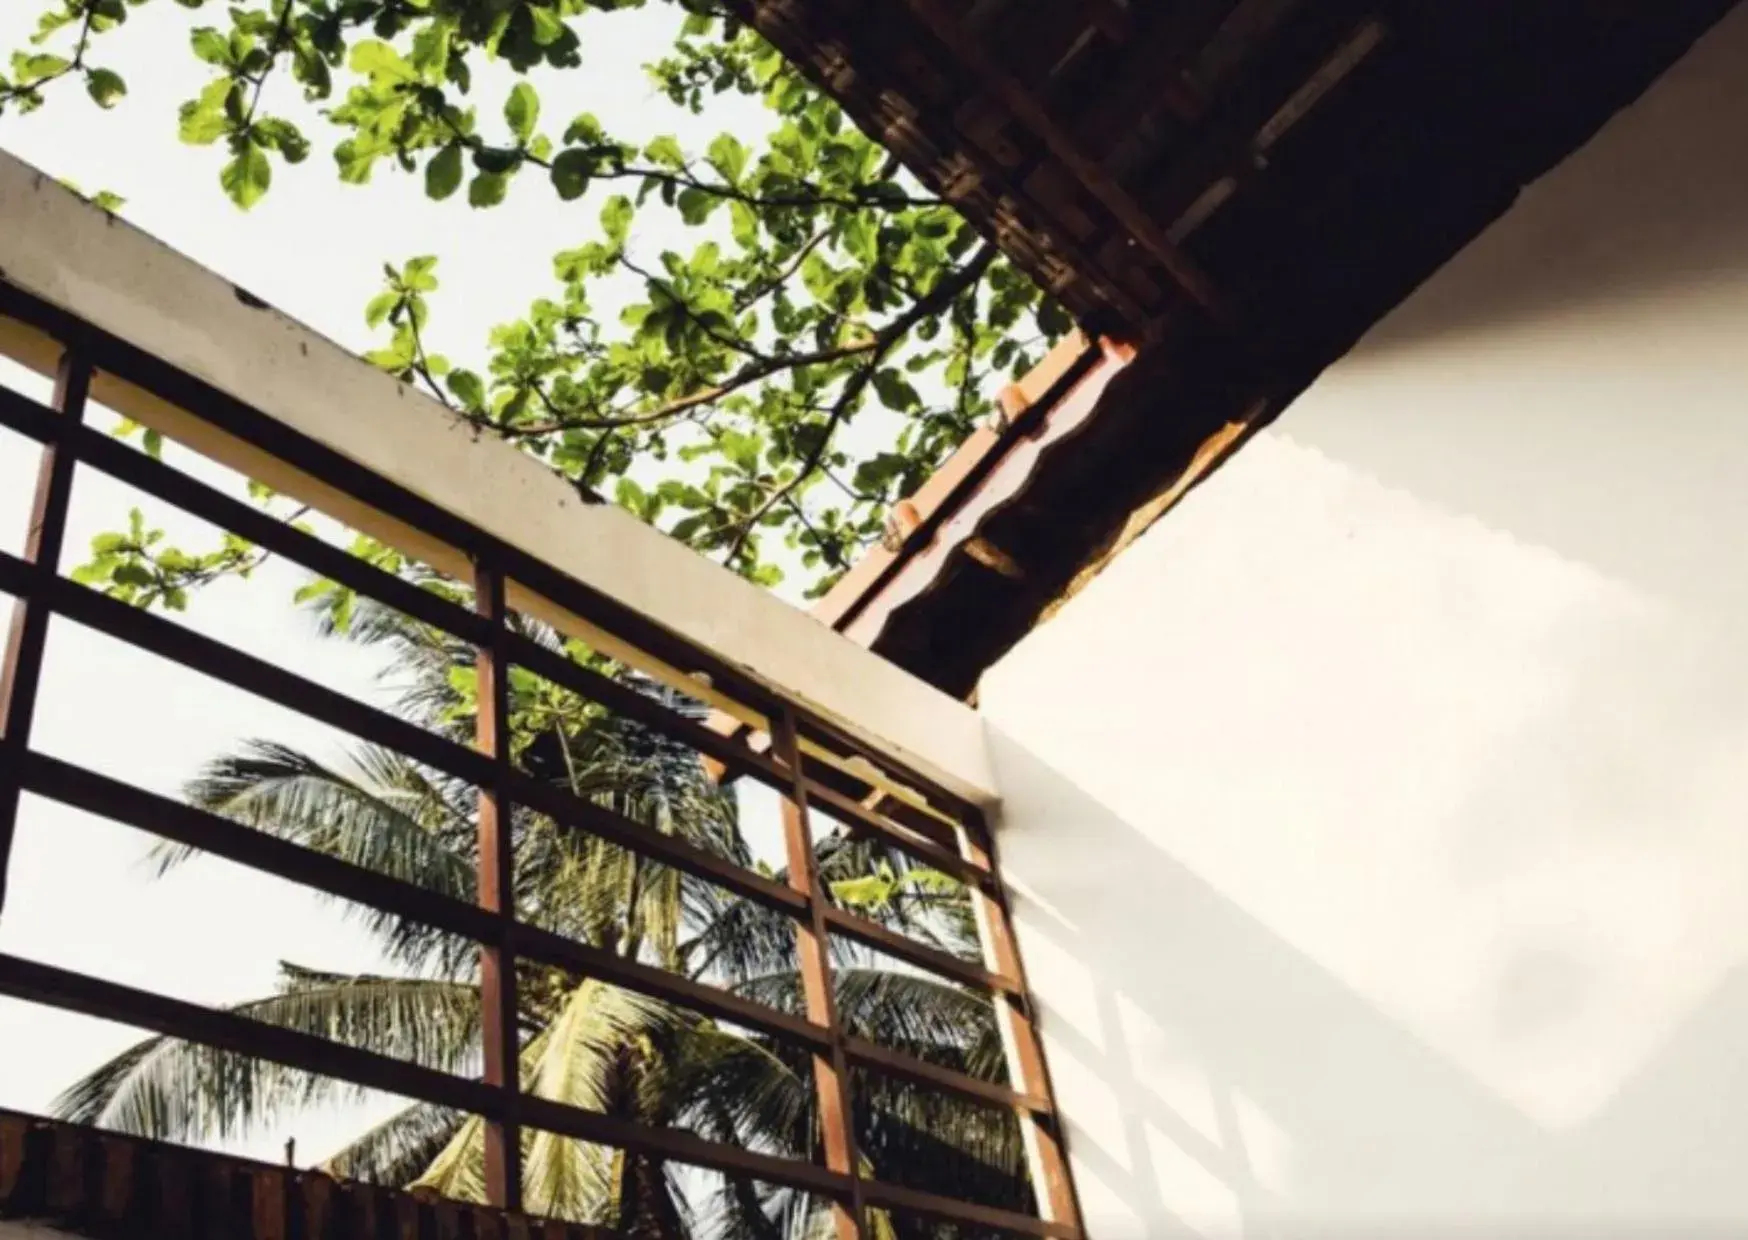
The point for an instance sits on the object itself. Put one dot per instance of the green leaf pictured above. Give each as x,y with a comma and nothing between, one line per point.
377,59
728,157
522,111
665,151
616,218
105,87
487,189
548,26
468,388
247,177
443,173
153,442
211,46
571,172
203,120
380,307
283,136
585,130
420,274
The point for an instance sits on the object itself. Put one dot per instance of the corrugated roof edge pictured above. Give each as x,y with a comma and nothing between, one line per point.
1052,399
87,1182
946,513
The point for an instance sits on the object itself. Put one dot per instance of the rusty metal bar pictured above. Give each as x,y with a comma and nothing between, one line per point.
899,947
497,872
624,700
865,1054
39,983
170,640
831,1069
1041,1130
21,662
98,794
869,825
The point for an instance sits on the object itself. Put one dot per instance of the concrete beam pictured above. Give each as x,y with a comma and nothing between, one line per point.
78,257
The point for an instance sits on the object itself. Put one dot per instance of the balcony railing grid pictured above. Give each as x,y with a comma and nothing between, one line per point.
806,760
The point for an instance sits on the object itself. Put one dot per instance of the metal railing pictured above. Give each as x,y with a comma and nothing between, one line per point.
808,762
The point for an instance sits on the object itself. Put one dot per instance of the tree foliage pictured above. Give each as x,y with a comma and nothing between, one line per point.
828,333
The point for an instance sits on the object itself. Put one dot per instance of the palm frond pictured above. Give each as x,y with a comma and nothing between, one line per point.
395,821
172,1090
398,1150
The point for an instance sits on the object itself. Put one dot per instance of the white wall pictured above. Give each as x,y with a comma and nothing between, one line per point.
1380,819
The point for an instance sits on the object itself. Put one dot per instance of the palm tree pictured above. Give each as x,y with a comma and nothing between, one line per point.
582,1042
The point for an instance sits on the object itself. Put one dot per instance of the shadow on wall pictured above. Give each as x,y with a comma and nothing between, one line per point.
1220,1083
1579,374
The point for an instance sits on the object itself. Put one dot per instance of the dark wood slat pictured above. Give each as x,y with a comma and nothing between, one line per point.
899,947
881,1195
226,1031
87,790
604,824
27,635
202,654
133,365
831,1069
627,701
500,1048
865,822
865,1054
306,550
21,414
169,640
157,479
1051,1179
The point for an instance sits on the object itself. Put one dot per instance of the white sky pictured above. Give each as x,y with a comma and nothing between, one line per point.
80,894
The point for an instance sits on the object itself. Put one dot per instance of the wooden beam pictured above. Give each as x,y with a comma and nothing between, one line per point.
1045,1154
22,660
500,1046
831,1068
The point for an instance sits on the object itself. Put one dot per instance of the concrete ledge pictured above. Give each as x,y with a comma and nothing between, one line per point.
102,269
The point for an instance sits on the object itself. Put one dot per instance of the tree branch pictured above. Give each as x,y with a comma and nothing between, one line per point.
946,290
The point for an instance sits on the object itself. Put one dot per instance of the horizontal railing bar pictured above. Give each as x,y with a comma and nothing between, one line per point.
157,479
20,413
546,947
901,947
193,496
197,652
848,785
877,1058
864,822
212,658
881,1195
827,737
239,1035
603,824
627,701
261,430
266,434
87,790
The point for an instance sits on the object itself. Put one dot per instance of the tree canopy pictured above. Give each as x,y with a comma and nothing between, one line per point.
827,334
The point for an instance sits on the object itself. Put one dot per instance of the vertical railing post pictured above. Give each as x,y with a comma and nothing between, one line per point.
21,664
831,1073
1046,1157
497,971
